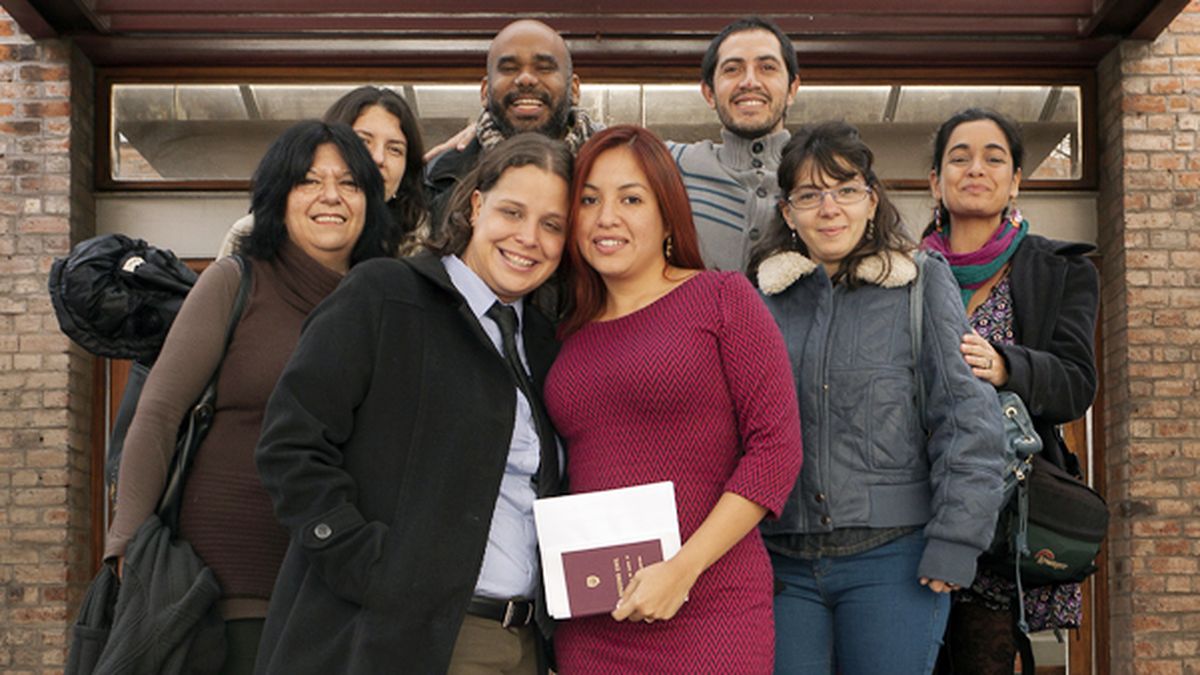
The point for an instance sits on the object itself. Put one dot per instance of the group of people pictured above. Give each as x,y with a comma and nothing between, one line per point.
558,308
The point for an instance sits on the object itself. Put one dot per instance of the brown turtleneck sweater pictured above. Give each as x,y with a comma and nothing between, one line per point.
227,515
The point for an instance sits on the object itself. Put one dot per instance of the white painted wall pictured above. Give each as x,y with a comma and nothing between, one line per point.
193,224
1069,216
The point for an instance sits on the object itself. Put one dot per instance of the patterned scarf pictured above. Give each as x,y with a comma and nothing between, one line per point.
974,268
581,129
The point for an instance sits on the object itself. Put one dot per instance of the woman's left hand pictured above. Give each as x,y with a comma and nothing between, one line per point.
938,586
655,593
986,363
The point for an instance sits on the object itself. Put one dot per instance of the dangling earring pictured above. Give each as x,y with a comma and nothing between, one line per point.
937,217
1014,214
795,240
668,246
870,228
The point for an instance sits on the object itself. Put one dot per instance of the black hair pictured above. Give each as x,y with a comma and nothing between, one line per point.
837,150
1010,129
287,162
525,149
408,206
708,65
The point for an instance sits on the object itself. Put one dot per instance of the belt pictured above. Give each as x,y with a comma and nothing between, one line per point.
513,613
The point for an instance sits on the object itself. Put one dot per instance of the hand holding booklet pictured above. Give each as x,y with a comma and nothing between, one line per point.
593,543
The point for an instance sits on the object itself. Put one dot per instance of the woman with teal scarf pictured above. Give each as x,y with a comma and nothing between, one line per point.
1032,303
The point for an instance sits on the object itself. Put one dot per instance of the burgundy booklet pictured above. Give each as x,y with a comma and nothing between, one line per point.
596,577
592,543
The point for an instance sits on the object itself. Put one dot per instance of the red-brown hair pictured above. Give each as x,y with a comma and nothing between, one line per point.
663,179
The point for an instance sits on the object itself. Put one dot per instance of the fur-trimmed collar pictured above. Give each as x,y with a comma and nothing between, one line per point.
778,272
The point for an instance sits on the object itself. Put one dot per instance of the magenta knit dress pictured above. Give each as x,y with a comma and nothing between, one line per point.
697,389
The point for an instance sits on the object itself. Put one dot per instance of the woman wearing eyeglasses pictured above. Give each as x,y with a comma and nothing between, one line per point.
895,499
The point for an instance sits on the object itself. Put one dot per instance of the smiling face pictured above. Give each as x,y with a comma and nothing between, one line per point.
326,210
830,230
529,86
517,231
750,90
380,131
619,228
977,177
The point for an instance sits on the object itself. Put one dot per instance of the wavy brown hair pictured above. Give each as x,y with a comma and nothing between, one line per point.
837,150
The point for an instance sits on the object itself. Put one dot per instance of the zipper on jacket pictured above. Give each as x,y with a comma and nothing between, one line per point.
825,454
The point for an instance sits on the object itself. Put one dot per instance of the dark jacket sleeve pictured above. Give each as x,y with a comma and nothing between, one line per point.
1058,383
308,421
965,441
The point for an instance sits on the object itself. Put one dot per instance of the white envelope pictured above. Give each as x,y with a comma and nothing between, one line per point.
599,519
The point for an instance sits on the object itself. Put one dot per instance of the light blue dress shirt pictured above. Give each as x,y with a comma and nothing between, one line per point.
510,562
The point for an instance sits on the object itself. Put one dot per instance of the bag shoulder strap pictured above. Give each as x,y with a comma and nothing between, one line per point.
199,415
916,323
239,305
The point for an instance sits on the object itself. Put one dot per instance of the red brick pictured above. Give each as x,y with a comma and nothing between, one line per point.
1187,44
1145,104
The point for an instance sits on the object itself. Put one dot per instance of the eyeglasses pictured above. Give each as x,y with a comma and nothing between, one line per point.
805,199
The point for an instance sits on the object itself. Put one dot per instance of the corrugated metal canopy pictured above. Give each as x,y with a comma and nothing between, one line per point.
599,32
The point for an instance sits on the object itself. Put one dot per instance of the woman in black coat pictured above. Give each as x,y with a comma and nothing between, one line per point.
388,436
1032,304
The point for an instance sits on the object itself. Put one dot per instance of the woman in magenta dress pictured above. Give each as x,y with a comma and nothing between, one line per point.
669,372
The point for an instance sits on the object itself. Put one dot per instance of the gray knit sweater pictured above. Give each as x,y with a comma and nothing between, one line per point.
733,191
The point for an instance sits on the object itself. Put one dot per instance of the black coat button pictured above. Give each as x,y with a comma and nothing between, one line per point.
757,147
761,192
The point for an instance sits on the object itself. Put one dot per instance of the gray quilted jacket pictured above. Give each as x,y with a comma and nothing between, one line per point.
870,460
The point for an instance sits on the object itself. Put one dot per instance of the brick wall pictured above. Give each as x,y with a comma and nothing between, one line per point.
46,115
1150,238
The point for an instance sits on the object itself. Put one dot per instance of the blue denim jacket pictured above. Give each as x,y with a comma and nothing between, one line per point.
869,458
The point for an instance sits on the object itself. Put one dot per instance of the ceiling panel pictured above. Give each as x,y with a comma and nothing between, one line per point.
407,32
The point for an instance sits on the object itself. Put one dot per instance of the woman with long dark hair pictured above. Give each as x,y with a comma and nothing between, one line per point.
318,203
392,135
670,373
902,479
1032,305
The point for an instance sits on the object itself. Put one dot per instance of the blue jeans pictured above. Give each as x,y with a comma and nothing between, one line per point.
862,614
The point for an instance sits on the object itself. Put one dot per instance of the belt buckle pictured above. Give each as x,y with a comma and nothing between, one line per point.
510,618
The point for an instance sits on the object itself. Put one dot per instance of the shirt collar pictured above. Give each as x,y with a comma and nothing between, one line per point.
739,153
474,290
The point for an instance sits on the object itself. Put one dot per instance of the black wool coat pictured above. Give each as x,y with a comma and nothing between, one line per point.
1052,366
383,448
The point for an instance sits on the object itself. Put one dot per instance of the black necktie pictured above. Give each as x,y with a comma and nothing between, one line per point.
506,318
